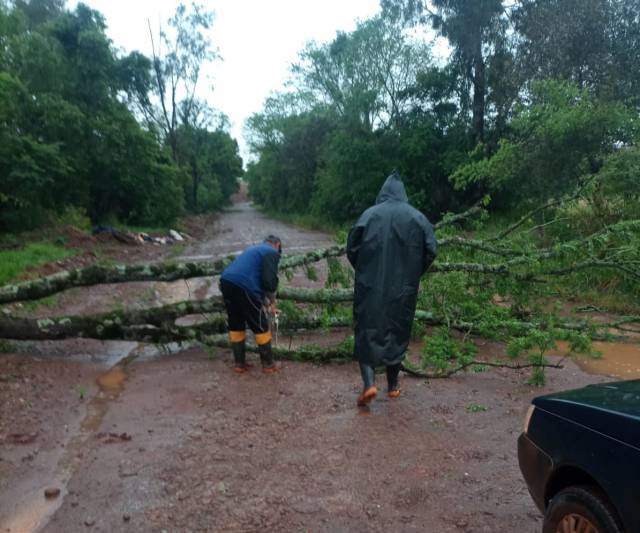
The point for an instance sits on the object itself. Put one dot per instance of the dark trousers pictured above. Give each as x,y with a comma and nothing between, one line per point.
243,309
369,376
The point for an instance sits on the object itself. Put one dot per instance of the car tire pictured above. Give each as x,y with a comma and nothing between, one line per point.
574,507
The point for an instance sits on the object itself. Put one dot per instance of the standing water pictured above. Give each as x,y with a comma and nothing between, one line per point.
617,359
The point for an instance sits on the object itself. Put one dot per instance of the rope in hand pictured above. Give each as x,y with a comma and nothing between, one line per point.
274,315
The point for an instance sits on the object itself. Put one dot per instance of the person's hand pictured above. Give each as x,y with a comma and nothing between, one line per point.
273,308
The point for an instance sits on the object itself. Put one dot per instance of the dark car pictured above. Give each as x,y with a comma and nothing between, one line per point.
580,457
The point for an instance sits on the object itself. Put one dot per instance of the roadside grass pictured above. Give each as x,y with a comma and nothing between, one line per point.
306,221
177,249
48,301
15,262
6,346
602,298
178,225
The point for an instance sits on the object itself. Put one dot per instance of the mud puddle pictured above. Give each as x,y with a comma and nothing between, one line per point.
617,359
113,380
106,353
31,508
36,509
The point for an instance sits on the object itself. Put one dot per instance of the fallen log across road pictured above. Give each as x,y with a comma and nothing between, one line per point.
166,271
158,324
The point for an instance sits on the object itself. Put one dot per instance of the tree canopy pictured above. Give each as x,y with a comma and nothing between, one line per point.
73,132
533,98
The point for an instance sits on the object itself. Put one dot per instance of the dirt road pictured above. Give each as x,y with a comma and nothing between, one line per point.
180,443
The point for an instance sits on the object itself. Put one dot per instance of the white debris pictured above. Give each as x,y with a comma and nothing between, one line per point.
175,235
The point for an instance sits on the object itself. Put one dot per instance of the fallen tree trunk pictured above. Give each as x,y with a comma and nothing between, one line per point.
340,354
157,325
98,274
517,266
167,271
318,296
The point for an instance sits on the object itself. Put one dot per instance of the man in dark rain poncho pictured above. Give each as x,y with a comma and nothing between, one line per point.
390,247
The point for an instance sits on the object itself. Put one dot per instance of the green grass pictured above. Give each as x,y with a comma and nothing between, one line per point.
178,225
47,301
6,346
307,221
177,249
476,408
15,262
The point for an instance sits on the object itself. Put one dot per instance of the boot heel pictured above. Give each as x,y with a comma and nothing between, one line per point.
239,357
266,358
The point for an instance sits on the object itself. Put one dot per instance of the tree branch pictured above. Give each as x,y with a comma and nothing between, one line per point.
460,368
453,219
167,271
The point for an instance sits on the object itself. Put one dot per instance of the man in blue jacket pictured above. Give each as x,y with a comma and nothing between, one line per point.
248,286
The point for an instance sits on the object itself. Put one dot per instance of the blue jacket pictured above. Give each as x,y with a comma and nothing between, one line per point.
255,270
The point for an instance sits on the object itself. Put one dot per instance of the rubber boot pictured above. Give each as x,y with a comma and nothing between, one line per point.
266,358
369,391
239,357
393,388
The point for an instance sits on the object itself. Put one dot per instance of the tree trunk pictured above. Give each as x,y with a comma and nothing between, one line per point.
479,90
168,271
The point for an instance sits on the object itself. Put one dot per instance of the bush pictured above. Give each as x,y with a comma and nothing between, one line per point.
74,216
562,134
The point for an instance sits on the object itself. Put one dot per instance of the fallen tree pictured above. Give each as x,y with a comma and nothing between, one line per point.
163,271
517,263
158,324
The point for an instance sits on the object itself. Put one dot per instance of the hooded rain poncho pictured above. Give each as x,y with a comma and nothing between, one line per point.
391,245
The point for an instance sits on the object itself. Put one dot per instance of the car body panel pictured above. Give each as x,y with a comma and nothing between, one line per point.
536,467
610,408
591,431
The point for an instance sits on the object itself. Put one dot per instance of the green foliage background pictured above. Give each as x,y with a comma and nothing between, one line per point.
70,137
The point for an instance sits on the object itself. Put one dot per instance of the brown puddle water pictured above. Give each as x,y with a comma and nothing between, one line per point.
35,510
111,384
34,515
619,359
112,381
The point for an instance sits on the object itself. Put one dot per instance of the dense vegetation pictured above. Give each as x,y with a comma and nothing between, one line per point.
85,130
535,96
529,131
532,118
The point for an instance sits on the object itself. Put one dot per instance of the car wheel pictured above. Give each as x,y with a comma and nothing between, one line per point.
579,510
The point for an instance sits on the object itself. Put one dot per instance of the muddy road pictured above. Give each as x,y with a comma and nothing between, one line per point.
131,438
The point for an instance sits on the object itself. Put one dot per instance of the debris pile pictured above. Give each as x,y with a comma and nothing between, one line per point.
129,237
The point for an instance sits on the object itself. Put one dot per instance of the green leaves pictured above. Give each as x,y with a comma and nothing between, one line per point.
442,352
561,135
68,140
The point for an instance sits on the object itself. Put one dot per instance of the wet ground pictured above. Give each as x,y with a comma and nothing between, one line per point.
136,439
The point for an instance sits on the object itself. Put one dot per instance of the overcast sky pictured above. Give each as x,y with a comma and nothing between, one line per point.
257,39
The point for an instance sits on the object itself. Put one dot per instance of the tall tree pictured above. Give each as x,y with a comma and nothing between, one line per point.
69,141
364,75
592,43
472,28
40,11
214,165
178,70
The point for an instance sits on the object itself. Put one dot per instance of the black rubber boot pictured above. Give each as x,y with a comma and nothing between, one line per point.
368,375
392,377
239,356
369,391
266,358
